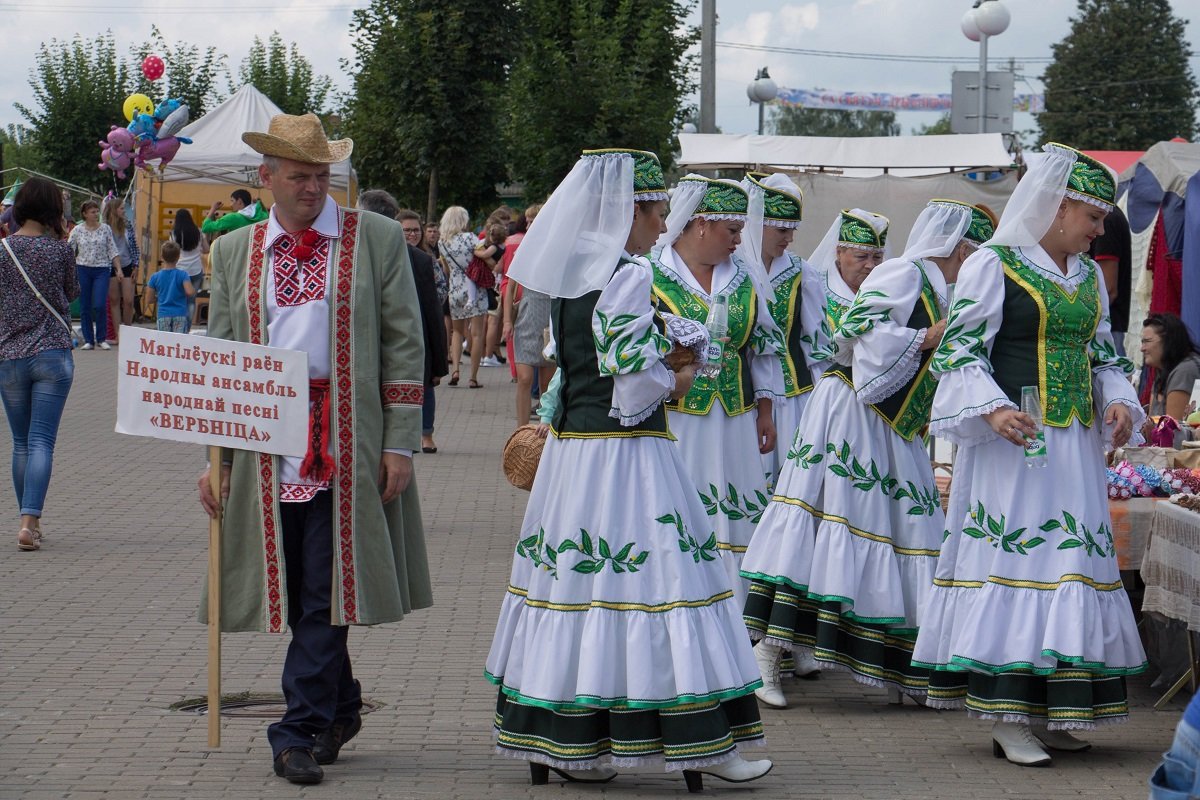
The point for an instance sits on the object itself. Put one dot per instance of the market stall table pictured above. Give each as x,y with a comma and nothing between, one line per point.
1171,572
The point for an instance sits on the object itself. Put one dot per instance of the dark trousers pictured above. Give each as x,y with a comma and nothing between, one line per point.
317,682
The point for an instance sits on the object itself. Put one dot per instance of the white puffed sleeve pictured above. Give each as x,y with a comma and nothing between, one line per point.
961,363
873,336
1110,373
815,332
629,347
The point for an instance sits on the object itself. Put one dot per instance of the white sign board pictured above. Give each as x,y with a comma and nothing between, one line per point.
212,391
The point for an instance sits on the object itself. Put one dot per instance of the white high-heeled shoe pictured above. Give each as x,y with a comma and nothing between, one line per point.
735,770
768,657
1016,742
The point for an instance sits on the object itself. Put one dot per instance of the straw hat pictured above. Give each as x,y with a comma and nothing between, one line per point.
298,139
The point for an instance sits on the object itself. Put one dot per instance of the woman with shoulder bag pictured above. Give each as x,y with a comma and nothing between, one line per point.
37,285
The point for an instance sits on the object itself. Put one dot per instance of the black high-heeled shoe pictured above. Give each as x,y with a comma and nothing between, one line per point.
539,775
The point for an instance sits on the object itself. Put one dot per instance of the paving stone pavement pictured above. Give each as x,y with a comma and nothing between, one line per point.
98,638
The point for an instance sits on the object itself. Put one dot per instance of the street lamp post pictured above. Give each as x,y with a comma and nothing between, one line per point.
762,90
987,18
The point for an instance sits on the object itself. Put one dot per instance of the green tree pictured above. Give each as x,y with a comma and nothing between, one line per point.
938,128
79,88
191,73
797,121
594,74
284,75
1120,80
424,113
19,150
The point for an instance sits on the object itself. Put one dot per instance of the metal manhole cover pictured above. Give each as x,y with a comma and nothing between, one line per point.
269,705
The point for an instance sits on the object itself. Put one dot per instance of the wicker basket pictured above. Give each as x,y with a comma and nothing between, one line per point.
522,452
943,481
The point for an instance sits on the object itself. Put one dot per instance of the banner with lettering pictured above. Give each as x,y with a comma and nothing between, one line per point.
884,101
212,391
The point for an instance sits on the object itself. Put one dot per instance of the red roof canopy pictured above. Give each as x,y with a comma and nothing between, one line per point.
1117,160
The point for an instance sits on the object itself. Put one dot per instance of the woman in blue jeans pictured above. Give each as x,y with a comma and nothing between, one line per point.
96,260
36,367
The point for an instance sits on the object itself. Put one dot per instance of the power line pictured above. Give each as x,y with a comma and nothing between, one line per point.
913,59
241,9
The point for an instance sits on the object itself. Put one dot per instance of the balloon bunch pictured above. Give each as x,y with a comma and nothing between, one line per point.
151,133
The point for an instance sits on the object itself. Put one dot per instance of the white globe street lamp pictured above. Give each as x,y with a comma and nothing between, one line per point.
987,18
762,90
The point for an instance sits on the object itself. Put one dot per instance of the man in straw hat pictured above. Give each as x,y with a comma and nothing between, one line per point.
333,539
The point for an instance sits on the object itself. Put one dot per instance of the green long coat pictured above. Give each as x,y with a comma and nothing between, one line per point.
380,572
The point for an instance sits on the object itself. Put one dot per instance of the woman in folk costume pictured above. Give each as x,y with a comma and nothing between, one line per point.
724,423
794,297
845,553
619,643
854,245
1027,623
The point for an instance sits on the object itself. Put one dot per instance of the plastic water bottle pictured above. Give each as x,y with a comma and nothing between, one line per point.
1035,445
718,328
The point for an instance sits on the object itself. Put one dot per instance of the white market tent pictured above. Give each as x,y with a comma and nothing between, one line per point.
891,175
209,169
217,153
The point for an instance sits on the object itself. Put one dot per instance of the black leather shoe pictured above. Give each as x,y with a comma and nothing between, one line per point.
329,743
298,766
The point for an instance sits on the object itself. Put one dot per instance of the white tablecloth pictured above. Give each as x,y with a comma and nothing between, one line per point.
1171,568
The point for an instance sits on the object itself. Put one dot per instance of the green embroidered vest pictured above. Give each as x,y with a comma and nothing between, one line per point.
732,384
585,396
907,409
784,305
1044,339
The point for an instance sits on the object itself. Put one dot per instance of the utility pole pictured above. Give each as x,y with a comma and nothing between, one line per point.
708,66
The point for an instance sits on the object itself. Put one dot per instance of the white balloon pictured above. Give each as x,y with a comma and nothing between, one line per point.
992,18
969,28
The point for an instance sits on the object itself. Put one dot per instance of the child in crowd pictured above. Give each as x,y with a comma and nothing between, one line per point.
172,288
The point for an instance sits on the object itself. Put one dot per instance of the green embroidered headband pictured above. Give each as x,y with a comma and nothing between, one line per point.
1089,181
983,224
721,200
780,209
648,181
860,234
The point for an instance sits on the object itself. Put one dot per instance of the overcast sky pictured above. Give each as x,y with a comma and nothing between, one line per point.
322,28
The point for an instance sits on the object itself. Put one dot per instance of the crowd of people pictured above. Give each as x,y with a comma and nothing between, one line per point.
786,512
754,422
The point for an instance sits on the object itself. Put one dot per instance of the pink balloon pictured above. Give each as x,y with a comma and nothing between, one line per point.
153,67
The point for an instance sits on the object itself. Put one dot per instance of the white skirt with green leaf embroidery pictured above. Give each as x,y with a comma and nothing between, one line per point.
856,515
618,594
1028,573
787,412
721,455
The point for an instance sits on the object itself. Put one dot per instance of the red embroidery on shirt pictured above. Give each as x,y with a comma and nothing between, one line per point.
299,267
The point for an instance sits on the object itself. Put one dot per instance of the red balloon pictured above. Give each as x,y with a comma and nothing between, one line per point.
153,68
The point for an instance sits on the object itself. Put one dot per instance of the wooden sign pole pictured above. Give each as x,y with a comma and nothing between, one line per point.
214,602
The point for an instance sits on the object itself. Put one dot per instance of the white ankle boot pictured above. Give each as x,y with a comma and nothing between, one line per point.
1058,740
768,657
806,667
735,770
1016,742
